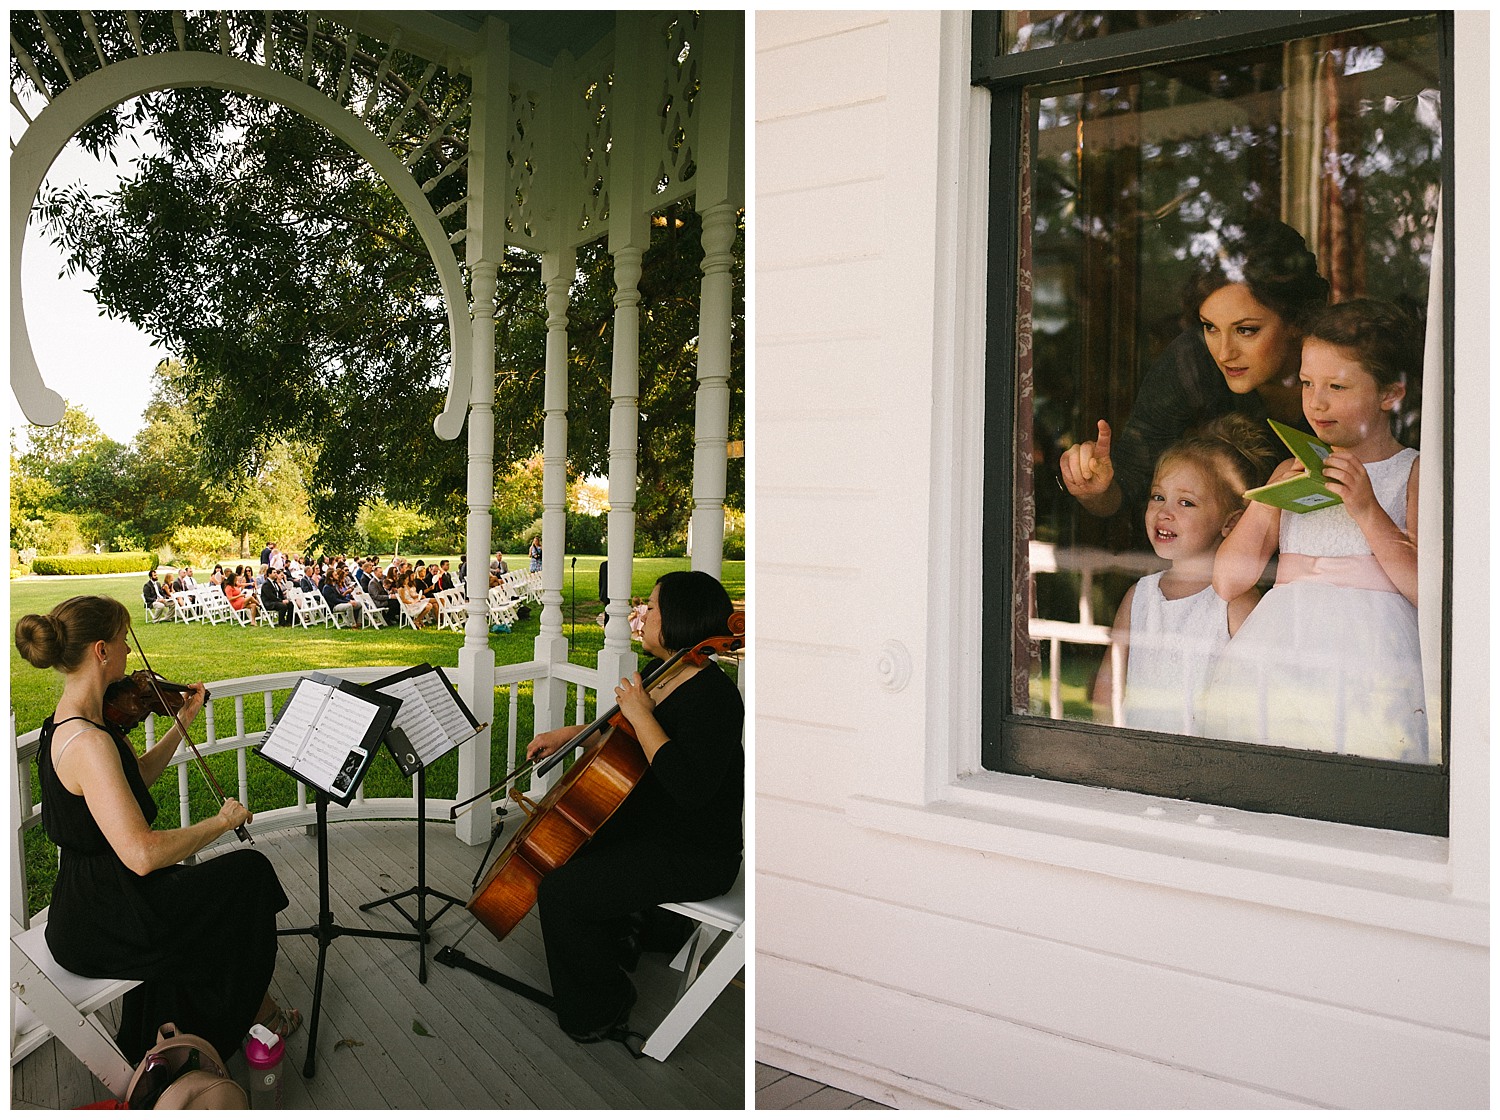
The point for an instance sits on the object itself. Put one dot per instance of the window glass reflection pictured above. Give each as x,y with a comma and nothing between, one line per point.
1184,228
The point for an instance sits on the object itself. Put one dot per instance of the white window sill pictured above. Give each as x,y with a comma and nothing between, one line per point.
1373,877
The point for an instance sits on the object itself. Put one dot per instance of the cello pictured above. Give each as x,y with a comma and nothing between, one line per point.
575,808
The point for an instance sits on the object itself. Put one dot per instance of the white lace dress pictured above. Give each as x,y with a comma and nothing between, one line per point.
1326,661
1174,644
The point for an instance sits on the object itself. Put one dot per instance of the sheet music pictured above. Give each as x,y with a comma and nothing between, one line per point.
416,721
430,716
440,699
318,735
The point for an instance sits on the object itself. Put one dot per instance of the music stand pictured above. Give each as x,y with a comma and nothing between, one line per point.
432,720
326,931
325,736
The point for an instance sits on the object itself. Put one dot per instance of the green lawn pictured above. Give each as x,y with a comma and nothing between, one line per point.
197,651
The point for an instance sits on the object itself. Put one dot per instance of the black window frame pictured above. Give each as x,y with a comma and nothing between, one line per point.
1337,788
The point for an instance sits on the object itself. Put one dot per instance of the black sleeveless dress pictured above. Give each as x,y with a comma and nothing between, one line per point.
201,936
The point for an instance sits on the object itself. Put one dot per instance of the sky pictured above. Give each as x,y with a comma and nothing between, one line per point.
101,365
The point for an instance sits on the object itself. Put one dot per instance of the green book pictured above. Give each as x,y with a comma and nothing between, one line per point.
1304,492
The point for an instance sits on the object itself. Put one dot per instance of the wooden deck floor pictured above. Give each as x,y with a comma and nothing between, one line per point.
776,1089
388,1041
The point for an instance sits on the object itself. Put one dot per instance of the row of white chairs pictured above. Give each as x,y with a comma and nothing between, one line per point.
208,603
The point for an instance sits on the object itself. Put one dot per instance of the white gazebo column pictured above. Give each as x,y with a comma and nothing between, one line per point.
485,245
551,644
617,659
719,186
711,412
632,103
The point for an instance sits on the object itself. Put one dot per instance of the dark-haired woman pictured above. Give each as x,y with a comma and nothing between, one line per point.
678,836
1249,308
201,937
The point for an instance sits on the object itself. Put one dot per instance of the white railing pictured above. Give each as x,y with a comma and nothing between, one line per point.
226,706
1044,557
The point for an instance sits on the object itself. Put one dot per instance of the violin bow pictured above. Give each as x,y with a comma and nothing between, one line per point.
240,830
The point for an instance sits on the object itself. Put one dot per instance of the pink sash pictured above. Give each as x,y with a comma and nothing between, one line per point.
1362,572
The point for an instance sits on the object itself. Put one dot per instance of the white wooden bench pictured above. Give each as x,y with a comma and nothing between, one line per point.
701,985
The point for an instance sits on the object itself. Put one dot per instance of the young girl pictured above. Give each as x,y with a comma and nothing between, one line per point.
1330,660
1172,623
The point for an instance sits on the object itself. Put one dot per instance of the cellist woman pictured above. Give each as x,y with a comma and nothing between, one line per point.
201,937
677,837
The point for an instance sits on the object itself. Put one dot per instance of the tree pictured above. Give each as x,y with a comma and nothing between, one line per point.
271,259
383,524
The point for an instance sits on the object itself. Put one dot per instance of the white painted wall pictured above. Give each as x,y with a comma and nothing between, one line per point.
931,934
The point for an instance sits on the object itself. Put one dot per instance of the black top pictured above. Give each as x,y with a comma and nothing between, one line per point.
692,796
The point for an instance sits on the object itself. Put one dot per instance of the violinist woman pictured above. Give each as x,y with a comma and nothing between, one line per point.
679,834
201,937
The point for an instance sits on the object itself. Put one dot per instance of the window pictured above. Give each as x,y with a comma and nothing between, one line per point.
1126,159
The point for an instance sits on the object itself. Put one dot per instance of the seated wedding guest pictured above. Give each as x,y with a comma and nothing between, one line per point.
406,591
380,595
217,578
157,601
234,591
338,600
443,580
498,565
273,597
185,580
421,579
309,580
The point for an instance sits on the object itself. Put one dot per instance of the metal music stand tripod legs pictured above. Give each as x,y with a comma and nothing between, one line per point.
326,930
421,890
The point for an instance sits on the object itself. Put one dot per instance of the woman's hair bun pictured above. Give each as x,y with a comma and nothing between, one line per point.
40,639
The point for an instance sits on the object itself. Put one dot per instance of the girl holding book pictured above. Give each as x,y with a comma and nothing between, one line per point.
1330,659
1172,623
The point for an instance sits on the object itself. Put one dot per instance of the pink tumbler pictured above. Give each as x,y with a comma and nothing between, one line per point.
263,1053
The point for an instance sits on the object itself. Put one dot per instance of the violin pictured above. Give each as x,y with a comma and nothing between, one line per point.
147,691
129,700
587,795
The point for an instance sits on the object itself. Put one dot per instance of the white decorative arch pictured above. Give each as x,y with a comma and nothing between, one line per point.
50,132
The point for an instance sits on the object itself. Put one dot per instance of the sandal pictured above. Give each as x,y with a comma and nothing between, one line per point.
283,1022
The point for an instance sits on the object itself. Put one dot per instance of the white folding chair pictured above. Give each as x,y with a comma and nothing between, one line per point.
53,1002
702,984
503,610
309,608
215,605
453,609
370,614
187,607
514,584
